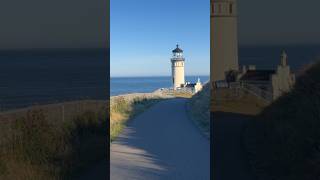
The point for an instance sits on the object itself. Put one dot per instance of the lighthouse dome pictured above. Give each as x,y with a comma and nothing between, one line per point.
177,50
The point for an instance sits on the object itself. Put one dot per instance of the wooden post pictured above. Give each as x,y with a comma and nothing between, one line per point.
63,113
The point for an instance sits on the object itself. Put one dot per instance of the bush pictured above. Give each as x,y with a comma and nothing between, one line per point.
38,148
284,140
199,106
126,107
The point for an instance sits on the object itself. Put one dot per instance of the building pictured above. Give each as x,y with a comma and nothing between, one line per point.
177,67
178,75
224,38
193,87
225,72
269,84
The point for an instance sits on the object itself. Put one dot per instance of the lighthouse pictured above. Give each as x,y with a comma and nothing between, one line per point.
224,38
177,67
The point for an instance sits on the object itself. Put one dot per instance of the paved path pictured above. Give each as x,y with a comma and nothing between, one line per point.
161,144
97,172
229,157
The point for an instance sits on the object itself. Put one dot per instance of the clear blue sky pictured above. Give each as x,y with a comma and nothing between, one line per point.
144,32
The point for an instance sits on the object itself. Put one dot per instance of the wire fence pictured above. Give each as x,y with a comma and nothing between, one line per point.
16,98
59,111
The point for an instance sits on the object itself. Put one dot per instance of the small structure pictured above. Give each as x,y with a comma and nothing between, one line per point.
178,76
193,87
271,83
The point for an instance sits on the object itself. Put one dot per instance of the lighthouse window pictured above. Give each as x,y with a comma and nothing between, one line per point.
214,8
231,8
219,8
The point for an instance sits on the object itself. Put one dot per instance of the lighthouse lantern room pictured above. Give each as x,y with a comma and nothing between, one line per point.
177,64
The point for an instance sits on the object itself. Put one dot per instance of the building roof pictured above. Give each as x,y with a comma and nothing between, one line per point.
257,75
190,85
177,49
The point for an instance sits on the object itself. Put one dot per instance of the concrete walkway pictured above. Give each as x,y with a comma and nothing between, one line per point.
161,144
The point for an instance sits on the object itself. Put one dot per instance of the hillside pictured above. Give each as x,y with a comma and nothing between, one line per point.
283,141
125,107
199,106
55,141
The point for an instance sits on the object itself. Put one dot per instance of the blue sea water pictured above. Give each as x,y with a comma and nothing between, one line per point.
125,85
29,77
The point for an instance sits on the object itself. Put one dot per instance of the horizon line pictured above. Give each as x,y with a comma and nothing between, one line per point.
138,76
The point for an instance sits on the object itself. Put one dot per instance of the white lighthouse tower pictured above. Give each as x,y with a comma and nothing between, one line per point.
224,38
177,65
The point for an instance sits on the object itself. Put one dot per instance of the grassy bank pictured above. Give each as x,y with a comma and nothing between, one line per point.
221,100
199,109
53,141
283,141
125,107
236,101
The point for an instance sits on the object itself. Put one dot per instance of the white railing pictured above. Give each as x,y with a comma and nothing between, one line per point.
253,89
261,93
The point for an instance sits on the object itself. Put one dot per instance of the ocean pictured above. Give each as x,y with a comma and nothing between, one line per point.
29,77
125,85
48,76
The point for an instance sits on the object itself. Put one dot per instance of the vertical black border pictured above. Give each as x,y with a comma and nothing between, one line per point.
108,83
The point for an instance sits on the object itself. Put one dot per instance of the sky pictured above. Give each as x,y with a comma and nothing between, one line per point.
278,22
144,33
152,27
26,24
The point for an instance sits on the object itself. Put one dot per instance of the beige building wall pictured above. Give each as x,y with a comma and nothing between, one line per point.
177,73
198,87
224,38
283,80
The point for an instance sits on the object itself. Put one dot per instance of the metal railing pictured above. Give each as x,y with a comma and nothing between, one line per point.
253,89
261,93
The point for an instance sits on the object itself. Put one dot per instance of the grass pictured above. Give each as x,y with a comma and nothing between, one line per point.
236,101
199,106
182,94
283,141
221,100
39,144
126,107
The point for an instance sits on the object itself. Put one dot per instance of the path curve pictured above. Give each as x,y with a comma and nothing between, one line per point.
161,144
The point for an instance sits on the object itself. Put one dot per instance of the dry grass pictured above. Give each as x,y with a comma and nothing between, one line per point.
236,101
46,142
199,106
125,107
182,94
221,100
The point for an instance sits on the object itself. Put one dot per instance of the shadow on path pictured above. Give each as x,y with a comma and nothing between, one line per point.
161,144
229,159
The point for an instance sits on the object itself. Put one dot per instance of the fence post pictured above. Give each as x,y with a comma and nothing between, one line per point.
62,112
